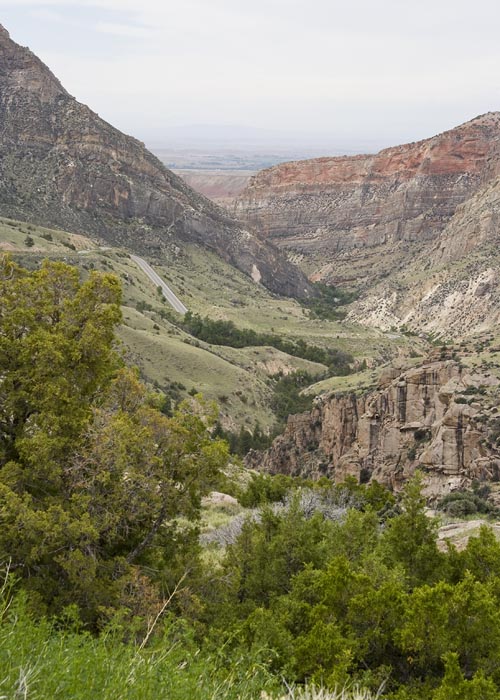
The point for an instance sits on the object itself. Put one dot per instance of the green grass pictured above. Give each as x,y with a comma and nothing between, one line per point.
310,692
243,396
352,383
38,661
221,292
13,236
358,382
238,379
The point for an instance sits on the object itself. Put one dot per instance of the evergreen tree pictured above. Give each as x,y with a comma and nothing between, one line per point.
93,477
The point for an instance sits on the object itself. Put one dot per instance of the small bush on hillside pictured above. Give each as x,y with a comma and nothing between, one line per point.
462,503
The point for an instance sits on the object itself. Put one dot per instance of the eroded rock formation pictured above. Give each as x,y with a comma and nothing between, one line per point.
452,286
333,206
424,417
63,166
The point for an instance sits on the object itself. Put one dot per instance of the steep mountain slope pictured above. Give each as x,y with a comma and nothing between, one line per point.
353,220
452,286
63,166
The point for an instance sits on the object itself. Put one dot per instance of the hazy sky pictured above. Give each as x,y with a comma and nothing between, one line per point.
388,70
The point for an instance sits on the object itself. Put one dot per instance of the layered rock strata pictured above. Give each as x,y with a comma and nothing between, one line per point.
450,288
353,220
424,417
63,166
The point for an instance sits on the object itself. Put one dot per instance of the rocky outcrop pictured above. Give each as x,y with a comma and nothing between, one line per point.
352,220
425,417
63,166
450,288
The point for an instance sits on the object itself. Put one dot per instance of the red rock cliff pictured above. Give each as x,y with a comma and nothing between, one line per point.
327,210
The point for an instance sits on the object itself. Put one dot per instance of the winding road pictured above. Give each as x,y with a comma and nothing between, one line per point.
174,301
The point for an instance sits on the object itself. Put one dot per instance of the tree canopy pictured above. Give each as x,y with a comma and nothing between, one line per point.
93,477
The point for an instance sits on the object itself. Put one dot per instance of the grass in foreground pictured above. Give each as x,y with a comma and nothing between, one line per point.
39,661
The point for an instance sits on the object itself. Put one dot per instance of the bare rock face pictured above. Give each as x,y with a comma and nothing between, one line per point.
417,418
351,220
452,286
63,166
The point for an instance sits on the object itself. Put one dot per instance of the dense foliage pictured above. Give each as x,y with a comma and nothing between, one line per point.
93,477
339,598
328,301
227,333
104,589
243,440
287,399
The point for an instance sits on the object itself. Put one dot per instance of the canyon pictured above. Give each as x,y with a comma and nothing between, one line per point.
63,166
413,229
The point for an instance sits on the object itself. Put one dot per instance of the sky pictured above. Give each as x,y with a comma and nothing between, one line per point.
381,71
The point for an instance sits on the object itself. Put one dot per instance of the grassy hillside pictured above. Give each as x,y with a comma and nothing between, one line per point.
238,379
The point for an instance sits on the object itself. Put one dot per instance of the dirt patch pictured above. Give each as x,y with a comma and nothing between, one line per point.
460,533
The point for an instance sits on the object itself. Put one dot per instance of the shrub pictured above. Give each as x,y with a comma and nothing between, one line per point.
461,503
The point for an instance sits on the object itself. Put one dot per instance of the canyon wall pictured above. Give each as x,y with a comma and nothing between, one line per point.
353,220
426,417
61,165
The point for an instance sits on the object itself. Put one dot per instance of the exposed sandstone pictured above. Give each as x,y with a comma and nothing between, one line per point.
412,420
451,287
345,215
63,166
415,228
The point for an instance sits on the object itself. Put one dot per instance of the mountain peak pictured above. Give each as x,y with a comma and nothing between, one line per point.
25,71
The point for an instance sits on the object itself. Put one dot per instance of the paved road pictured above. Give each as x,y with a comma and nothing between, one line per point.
174,302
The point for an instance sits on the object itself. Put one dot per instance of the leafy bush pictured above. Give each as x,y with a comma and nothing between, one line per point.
461,503
263,488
